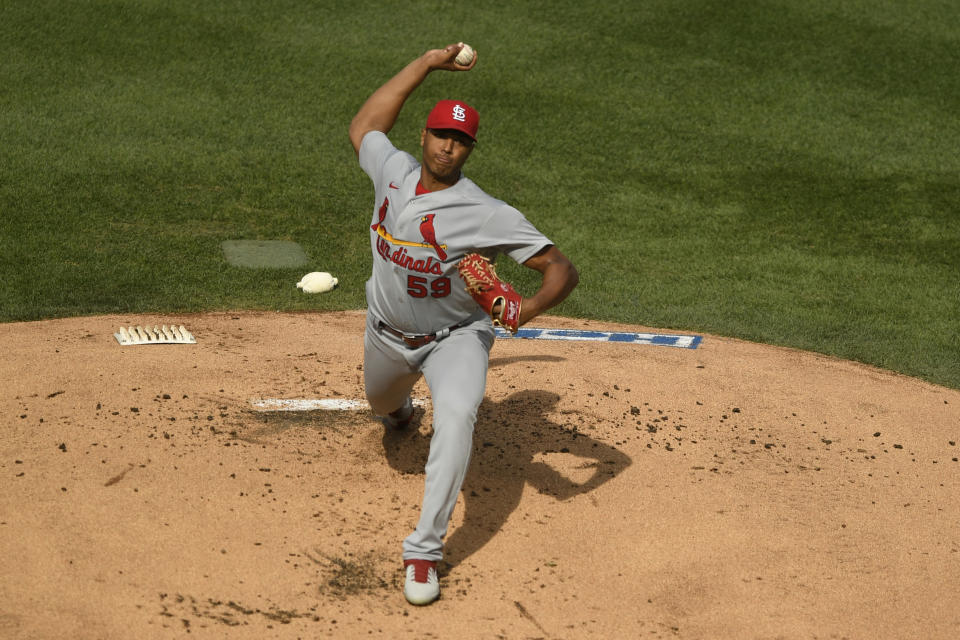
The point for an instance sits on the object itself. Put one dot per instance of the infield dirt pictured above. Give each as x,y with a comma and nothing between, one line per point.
616,491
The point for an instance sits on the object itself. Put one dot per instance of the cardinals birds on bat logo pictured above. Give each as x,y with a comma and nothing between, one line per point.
426,230
430,235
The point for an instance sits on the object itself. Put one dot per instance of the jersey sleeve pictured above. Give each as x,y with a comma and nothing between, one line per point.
380,160
508,231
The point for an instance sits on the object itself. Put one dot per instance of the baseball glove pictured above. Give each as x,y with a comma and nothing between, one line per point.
489,290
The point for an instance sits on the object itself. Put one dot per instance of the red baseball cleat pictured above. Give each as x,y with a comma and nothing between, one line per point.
422,585
399,419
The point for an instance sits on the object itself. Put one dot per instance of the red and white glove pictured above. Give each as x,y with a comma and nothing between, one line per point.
490,291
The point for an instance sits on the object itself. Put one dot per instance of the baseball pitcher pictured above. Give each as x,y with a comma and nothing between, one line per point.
433,295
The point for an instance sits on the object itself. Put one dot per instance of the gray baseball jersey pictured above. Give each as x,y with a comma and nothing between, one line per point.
417,241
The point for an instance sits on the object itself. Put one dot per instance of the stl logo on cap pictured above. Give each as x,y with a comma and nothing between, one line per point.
454,114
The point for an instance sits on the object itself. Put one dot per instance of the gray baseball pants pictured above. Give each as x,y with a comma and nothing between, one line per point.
455,370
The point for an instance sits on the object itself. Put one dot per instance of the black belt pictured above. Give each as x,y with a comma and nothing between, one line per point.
414,340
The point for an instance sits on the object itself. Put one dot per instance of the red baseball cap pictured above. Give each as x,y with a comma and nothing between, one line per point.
454,114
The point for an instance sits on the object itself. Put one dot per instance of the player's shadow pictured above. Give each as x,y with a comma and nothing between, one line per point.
508,437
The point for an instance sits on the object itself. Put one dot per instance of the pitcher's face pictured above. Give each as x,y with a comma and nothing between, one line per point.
444,153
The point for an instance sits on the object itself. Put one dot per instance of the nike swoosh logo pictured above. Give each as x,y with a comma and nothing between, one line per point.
394,185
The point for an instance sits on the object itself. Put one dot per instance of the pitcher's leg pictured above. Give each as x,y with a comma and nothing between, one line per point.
456,373
387,375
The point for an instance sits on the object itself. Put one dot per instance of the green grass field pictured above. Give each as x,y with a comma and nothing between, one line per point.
783,172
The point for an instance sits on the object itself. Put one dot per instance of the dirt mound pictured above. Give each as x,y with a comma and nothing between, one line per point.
616,490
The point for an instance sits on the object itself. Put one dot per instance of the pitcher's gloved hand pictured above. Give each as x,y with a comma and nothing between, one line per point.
496,297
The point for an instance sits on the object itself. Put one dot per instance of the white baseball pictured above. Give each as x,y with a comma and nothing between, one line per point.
317,282
465,56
